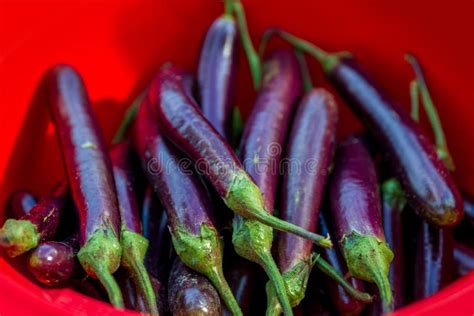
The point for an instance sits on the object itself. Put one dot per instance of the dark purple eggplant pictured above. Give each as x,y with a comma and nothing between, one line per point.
393,205
191,294
469,210
21,202
186,201
340,299
310,150
90,177
357,218
430,188
53,263
242,277
260,152
463,259
134,245
433,261
17,236
464,230
182,122
129,292
216,73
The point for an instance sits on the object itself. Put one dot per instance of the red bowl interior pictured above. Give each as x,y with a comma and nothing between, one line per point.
117,46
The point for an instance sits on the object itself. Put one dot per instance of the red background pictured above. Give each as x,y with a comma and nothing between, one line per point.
117,45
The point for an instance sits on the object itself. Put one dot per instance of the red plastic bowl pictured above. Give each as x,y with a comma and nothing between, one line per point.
117,45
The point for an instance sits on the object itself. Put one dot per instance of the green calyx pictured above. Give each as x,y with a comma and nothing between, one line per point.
18,236
368,258
245,198
393,193
253,241
203,253
100,257
296,281
134,247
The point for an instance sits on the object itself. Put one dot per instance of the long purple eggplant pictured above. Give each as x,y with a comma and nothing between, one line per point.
430,188
341,300
463,259
191,294
53,263
393,204
17,236
356,214
90,177
464,230
216,73
433,261
242,277
186,201
134,245
183,124
310,149
260,152
20,203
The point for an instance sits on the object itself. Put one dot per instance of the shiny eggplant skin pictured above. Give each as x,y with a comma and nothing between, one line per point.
342,302
434,266
242,276
429,186
190,293
216,73
312,139
463,259
266,128
20,203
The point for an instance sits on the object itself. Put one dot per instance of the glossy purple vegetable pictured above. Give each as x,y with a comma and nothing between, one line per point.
430,188
129,293
393,204
90,177
186,201
191,294
260,152
311,146
134,245
317,302
340,299
464,230
216,73
469,210
356,214
433,261
182,122
20,203
53,262
17,236
463,259
242,280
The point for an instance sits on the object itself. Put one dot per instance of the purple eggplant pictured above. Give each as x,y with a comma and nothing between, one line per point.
17,236
356,214
430,188
433,261
21,202
90,177
216,73
260,152
340,299
190,293
53,263
134,245
310,150
463,259
242,280
464,230
469,210
186,201
393,204
182,122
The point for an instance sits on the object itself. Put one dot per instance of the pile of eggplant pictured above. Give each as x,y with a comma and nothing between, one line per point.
188,205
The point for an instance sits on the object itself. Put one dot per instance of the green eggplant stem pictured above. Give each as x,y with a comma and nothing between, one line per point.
327,269
18,236
307,83
228,7
134,248
216,276
415,102
253,58
392,192
270,267
128,118
110,285
432,113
